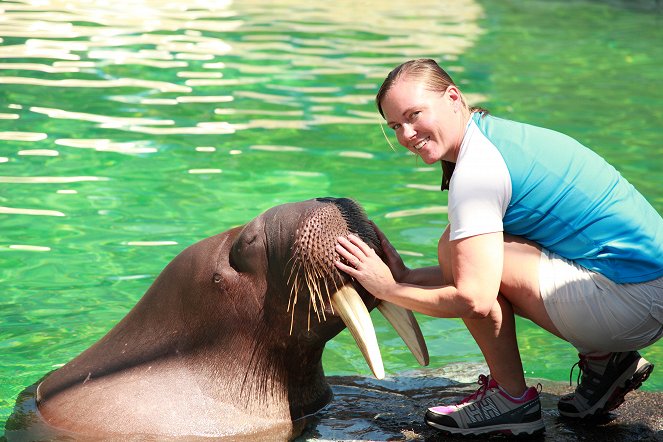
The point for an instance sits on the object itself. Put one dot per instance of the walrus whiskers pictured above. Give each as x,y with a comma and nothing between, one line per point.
307,272
313,253
314,277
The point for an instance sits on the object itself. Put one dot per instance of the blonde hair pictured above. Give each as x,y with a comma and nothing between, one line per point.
435,79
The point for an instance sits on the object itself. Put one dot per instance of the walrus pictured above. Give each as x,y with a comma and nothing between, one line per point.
228,339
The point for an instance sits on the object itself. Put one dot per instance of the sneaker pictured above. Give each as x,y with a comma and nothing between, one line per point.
603,383
489,410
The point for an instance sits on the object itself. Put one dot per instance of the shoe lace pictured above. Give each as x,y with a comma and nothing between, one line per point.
582,366
480,393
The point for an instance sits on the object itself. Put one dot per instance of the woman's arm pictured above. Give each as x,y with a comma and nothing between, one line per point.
476,264
425,276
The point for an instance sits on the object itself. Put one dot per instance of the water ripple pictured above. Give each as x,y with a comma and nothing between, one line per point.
103,119
48,179
151,243
38,212
23,136
27,248
120,82
39,152
107,145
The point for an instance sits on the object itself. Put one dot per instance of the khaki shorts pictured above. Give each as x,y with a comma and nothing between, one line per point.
598,315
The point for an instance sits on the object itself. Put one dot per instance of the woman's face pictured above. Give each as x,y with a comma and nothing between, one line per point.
427,123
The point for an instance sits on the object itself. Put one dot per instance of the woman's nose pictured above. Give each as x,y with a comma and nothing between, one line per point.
408,130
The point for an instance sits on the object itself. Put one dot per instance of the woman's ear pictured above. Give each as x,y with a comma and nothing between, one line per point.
454,97
453,92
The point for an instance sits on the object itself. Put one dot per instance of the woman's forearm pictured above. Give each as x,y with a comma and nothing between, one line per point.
439,301
425,276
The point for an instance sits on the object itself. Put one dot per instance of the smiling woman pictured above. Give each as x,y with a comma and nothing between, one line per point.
430,125
539,226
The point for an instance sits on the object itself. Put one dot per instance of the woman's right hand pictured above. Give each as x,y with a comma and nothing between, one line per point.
394,261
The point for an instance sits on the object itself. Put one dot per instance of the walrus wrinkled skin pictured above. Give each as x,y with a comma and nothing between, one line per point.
228,340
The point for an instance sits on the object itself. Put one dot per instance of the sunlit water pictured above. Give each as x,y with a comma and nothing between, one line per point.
131,129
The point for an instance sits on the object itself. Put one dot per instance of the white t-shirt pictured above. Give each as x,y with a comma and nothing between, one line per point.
480,187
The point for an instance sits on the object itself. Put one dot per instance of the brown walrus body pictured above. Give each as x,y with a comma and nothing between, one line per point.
228,339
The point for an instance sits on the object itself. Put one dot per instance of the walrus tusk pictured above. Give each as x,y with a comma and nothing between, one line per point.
349,306
406,326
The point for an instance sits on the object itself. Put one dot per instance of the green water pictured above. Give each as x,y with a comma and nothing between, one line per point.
126,136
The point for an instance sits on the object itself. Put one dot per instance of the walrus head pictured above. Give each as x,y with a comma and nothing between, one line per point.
228,339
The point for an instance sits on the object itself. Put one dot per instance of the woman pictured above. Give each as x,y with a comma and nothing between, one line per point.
539,226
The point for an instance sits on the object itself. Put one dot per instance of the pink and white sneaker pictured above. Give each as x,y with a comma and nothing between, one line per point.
490,410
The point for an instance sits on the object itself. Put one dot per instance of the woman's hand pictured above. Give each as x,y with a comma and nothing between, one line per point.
365,265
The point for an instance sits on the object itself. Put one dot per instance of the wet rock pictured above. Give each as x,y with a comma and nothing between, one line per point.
392,409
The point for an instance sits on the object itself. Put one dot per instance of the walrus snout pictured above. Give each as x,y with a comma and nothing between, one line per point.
313,272
323,223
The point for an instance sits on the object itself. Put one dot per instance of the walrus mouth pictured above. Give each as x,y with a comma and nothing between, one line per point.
313,271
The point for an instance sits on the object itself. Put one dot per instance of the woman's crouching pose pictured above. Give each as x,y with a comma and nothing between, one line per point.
539,226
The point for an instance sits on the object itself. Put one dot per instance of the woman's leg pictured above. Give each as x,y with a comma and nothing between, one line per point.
496,337
519,293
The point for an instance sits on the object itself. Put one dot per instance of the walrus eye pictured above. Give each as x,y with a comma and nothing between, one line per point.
247,250
217,278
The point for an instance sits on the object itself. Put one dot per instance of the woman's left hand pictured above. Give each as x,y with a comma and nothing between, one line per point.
365,265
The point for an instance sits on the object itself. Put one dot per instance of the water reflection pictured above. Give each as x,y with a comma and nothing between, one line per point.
18,211
22,136
86,79
106,145
222,46
48,179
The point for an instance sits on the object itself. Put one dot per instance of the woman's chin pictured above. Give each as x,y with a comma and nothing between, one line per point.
428,159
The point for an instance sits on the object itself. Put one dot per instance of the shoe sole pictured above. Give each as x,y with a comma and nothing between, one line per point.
529,428
613,400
